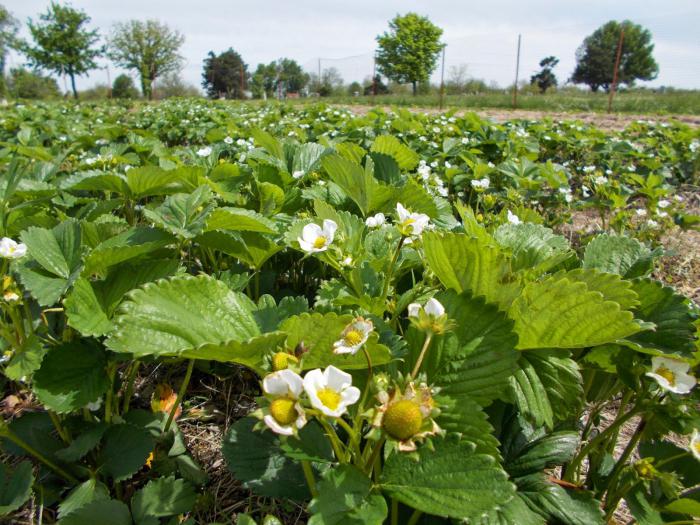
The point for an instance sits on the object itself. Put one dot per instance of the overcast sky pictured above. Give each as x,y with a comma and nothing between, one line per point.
481,35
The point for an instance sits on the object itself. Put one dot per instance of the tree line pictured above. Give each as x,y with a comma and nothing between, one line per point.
62,43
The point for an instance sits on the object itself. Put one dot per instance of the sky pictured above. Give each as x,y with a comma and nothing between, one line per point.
480,35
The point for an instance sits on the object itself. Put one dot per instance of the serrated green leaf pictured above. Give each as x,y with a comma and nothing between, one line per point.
179,315
162,497
252,248
532,245
71,376
183,214
124,451
618,254
406,158
358,183
345,498
82,495
612,286
465,263
318,332
26,359
104,512
547,386
474,360
674,332
256,459
239,219
15,486
559,313
449,481
131,244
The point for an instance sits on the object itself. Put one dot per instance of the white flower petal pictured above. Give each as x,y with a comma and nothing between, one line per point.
350,396
273,425
336,378
414,309
434,308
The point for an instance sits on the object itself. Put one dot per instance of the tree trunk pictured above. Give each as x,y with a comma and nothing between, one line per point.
415,88
72,83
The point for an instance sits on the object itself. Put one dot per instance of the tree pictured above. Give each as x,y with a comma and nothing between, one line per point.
8,30
172,85
23,83
149,48
595,58
123,87
355,88
408,52
263,80
331,82
456,79
62,43
225,75
545,78
375,86
282,77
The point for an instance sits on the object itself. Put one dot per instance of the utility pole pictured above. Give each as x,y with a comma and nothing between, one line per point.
517,72
615,70
442,77
319,77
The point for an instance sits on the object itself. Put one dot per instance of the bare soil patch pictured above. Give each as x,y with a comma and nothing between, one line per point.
605,121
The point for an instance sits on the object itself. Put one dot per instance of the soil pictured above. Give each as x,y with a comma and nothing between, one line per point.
605,121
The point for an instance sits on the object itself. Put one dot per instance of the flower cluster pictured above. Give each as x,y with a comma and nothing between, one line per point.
290,396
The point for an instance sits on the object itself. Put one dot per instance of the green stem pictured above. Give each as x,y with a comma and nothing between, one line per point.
394,511
672,458
421,356
619,466
335,441
129,391
111,372
352,435
390,271
59,428
375,454
415,517
309,475
39,456
180,395
593,443
357,422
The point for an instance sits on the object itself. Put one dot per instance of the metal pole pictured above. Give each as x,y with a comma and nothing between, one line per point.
517,72
442,77
319,77
617,66
109,83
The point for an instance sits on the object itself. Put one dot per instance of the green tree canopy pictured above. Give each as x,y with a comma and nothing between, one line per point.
149,48
8,30
62,43
24,83
409,51
545,78
284,76
595,58
123,87
225,75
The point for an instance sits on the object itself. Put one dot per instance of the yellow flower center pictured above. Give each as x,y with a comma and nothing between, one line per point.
284,411
667,374
320,241
280,361
696,447
353,337
329,397
403,419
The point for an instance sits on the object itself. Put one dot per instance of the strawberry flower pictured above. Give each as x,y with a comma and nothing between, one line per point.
330,390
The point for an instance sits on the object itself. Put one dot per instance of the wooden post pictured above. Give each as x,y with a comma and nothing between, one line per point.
109,83
319,78
517,72
241,96
442,78
616,68
374,78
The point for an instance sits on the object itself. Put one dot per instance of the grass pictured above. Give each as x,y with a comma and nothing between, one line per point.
635,101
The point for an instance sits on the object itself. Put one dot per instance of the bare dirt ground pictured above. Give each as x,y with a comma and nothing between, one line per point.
613,121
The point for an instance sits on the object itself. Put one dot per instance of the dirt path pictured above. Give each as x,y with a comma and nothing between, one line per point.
613,121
